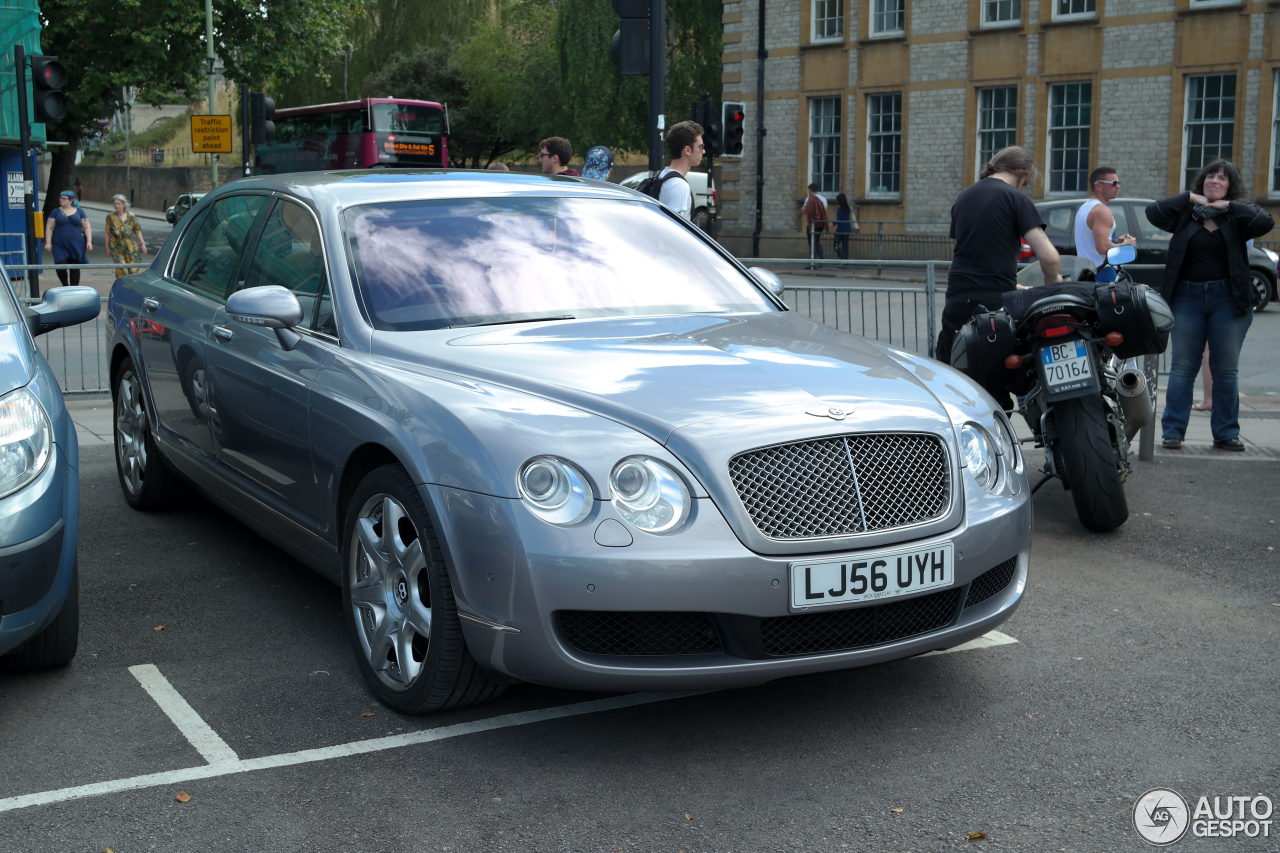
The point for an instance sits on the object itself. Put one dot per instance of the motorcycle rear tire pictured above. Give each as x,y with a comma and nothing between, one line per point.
1087,462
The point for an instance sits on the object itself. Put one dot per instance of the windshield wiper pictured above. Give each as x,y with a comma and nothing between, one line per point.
510,322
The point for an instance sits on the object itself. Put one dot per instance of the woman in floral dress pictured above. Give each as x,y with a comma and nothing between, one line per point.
124,236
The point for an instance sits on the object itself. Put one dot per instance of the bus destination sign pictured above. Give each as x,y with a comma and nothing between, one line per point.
211,134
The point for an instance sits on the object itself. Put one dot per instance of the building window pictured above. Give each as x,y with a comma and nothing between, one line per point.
1275,137
1211,117
1001,12
884,143
824,144
997,120
1070,110
828,20
1074,9
887,17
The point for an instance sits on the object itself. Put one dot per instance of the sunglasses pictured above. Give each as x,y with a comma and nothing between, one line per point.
1109,183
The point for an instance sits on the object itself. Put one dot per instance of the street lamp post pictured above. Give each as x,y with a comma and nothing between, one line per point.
213,82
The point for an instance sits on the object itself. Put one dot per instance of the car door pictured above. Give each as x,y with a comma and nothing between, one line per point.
260,389
177,316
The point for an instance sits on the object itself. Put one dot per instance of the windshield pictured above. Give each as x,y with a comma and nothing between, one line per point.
407,118
8,308
458,262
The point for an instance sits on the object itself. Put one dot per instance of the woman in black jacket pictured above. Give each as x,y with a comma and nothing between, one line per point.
1206,280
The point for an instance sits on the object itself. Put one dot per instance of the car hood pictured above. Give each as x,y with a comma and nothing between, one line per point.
16,368
661,373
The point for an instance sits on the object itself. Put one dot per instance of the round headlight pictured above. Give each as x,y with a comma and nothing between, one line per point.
648,495
1010,448
555,490
26,440
978,454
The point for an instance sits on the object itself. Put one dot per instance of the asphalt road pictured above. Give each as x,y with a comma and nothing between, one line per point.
1142,659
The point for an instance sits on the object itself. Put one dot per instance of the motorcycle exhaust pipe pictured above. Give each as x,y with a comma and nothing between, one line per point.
1135,401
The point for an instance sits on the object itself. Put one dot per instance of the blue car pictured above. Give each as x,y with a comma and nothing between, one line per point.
39,484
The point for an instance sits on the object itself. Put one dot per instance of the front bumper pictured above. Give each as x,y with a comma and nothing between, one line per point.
583,608
37,552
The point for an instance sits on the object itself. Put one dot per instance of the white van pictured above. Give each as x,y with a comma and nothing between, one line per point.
704,196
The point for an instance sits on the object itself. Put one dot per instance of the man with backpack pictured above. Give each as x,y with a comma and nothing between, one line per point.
669,186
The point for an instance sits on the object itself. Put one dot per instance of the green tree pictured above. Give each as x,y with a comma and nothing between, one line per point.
160,44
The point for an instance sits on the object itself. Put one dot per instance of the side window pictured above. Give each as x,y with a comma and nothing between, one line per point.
1061,220
1146,231
1122,221
211,252
290,254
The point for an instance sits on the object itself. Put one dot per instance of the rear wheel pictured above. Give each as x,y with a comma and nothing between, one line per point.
56,644
1087,462
1261,289
399,603
144,479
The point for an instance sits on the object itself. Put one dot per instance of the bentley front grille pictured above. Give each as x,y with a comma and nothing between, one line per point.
844,484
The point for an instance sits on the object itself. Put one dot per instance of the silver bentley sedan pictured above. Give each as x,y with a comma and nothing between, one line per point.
539,429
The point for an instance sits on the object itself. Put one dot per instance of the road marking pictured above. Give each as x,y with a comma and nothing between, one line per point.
223,761
193,727
986,641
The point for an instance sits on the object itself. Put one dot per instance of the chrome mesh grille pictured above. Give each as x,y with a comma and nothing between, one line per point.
844,484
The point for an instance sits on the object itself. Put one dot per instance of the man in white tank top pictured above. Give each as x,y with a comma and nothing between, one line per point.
1094,220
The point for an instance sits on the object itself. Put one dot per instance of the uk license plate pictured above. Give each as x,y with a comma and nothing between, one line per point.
1066,366
871,577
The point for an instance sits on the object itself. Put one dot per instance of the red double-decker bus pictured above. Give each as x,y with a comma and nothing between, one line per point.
360,134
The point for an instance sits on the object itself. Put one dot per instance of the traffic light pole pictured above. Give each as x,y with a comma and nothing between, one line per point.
28,174
657,81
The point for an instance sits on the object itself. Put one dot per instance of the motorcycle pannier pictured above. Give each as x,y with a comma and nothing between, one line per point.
1137,312
980,347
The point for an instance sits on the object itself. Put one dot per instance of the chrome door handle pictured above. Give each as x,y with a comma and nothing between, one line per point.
151,303
223,333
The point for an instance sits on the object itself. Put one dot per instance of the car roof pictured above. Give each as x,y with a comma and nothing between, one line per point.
389,185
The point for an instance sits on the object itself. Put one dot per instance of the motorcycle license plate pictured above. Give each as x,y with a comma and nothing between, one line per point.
1066,367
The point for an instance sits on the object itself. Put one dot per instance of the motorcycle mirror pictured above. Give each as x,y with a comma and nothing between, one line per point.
1121,254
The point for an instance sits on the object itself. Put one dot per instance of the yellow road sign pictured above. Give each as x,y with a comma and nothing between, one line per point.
211,134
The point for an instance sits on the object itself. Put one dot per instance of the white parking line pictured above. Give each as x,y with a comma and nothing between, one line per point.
986,641
223,761
193,727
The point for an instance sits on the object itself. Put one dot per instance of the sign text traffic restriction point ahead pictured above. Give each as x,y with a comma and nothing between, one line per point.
211,134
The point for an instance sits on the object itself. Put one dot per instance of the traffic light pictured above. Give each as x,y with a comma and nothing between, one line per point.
629,47
261,112
48,76
704,114
733,116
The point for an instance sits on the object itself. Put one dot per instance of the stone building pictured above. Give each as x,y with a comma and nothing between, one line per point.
897,103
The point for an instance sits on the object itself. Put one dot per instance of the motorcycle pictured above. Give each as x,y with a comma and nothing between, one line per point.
1070,353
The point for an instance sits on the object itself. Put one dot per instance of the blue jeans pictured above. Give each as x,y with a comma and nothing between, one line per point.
1203,311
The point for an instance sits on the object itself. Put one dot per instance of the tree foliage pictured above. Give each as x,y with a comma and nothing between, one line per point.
160,45
515,71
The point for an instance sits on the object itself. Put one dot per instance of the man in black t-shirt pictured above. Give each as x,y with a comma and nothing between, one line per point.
987,221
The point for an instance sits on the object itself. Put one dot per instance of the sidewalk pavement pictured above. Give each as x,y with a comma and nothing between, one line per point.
1259,428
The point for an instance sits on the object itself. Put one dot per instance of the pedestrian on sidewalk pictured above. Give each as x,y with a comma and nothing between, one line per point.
69,236
1206,281
125,242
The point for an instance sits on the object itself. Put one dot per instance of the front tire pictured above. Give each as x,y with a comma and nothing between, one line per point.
1087,462
145,480
398,602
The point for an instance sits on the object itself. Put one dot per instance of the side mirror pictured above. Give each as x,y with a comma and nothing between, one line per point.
771,282
272,307
1117,255
63,306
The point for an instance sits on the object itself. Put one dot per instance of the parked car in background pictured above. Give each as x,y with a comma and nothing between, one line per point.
1153,244
543,430
179,208
39,484
704,196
